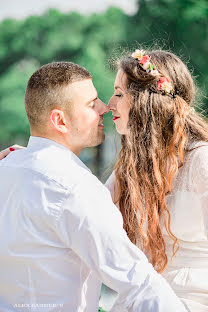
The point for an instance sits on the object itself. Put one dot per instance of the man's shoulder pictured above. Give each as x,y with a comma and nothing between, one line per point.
55,165
60,167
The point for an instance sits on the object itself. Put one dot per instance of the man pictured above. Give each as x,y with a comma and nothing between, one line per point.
61,235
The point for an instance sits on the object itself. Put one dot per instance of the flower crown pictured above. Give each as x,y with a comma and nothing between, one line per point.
163,84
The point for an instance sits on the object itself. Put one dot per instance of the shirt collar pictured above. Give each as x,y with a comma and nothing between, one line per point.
40,142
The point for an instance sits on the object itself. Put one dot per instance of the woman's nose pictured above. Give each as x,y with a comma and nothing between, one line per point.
111,104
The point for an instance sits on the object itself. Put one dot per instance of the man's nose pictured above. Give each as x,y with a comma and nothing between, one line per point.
103,108
106,109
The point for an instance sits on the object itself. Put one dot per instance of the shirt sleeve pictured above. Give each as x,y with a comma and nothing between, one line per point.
95,233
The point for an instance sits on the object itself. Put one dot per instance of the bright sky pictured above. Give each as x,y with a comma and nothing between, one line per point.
21,8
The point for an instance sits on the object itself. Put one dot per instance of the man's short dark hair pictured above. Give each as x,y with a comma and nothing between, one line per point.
44,90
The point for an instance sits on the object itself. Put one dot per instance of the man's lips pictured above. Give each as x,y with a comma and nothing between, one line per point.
101,125
115,117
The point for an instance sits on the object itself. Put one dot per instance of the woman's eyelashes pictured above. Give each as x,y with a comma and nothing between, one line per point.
118,95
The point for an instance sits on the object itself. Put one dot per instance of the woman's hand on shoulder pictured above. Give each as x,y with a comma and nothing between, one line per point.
9,150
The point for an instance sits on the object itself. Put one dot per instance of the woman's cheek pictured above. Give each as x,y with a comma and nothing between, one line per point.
120,108
124,108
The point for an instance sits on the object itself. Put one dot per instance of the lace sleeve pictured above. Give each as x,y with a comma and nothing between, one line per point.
110,184
199,179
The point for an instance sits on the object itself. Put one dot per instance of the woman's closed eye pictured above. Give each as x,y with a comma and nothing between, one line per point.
118,95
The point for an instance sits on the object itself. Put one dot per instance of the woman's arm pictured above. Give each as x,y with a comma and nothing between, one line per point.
10,149
110,184
199,181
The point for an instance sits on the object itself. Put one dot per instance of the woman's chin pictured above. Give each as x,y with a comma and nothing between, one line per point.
121,131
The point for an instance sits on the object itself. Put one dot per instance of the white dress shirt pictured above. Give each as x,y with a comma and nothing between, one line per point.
61,236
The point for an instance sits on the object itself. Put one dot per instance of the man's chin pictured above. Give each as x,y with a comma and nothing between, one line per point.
102,139
99,140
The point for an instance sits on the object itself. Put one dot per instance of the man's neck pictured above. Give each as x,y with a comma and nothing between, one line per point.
76,150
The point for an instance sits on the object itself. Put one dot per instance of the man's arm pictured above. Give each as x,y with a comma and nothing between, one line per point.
95,232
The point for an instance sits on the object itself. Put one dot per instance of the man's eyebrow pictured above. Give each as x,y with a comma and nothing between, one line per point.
92,99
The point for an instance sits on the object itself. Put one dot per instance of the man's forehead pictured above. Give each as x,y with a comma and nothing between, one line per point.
83,89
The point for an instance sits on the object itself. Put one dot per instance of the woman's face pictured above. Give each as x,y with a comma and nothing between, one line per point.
119,103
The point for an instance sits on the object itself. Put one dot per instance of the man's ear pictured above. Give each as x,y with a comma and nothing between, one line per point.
58,120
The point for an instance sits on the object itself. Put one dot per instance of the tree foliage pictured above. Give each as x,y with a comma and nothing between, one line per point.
181,25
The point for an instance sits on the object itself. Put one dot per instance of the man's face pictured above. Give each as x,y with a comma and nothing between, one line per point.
85,117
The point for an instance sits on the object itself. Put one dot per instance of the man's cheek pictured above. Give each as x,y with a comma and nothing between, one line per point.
90,119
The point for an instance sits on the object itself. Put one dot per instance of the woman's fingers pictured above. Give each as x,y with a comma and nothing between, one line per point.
17,147
4,153
10,149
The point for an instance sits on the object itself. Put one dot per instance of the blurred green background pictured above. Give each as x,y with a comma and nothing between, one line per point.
91,41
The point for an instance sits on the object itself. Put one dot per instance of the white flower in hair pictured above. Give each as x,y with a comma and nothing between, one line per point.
138,54
154,72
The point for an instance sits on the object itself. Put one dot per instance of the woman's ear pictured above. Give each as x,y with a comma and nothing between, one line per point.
58,120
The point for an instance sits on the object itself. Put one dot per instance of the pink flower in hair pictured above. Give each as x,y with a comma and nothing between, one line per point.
144,59
164,85
146,65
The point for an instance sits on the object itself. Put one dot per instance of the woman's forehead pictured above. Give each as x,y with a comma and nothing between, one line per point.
121,80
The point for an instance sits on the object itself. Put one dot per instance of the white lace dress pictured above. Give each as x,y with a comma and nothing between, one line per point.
187,272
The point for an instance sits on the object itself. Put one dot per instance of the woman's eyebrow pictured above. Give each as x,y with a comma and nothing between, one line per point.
117,87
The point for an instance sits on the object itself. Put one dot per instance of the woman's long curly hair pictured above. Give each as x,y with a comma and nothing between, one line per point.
160,129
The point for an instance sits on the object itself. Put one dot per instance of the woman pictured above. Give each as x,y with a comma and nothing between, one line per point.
160,181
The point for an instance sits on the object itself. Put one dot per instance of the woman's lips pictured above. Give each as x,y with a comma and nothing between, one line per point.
114,118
